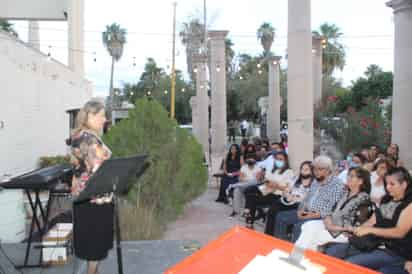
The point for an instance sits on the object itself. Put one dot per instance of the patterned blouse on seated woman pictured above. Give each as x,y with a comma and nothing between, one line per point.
333,227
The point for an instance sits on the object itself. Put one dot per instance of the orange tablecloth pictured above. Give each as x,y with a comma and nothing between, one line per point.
233,250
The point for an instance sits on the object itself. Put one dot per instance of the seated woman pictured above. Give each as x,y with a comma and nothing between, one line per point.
342,219
391,224
231,170
377,177
250,175
276,180
291,197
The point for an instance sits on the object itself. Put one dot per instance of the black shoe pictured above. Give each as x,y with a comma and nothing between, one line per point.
218,200
233,214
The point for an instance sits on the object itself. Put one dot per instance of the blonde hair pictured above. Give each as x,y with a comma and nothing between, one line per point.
82,117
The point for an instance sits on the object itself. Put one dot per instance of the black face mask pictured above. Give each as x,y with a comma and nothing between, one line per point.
320,178
307,176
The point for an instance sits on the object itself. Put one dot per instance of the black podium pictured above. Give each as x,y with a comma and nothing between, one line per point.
114,176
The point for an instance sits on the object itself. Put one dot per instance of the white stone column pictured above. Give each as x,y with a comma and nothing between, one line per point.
402,86
218,92
76,36
34,34
300,83
193,106
202,101
317,52
274,102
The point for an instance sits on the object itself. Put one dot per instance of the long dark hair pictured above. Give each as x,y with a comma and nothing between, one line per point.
285,167
298,182
229,154
365,176
402,175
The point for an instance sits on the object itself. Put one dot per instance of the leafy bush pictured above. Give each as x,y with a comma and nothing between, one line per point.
46,161
358,129
176,174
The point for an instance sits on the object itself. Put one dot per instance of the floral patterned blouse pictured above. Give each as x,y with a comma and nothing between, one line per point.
87,153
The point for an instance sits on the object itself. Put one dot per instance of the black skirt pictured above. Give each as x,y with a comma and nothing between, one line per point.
93,230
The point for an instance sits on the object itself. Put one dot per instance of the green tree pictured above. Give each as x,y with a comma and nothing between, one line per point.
154,83
176,174
114,39
8,27
266,36
376,84
334,55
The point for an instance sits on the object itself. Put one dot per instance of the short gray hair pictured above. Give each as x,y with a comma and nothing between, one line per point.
324,162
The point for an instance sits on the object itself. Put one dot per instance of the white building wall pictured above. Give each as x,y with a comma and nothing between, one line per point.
34,95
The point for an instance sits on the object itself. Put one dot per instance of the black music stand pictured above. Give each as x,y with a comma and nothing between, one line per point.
113,176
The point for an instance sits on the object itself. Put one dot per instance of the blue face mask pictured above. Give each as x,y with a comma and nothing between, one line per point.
279,164
353,165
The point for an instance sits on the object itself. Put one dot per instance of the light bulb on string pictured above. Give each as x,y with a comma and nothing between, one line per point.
240,77
49,54
260,71
313,50
218,68
183,90
166,92
149,93
258,65
195,70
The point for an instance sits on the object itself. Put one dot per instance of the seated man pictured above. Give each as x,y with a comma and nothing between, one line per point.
324,193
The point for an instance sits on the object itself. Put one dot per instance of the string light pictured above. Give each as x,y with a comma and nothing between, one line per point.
195,70
149,93
260,71
313,50
218,68
49,54
183,90
166,92
258,65
240,77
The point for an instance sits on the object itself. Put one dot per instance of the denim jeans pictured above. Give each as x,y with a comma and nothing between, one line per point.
381,260
284,220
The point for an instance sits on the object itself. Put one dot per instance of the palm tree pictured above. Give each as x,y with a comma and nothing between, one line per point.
114,39
8,27
266,35
334,56
192,36
230,54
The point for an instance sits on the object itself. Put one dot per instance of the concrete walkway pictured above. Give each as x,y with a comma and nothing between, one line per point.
203,220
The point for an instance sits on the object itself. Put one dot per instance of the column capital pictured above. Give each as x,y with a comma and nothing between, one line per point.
217,34
274,60
400,5
317,40
199,58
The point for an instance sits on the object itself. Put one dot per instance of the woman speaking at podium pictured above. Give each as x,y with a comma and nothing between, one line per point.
93,220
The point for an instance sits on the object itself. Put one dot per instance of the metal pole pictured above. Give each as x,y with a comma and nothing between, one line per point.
173,81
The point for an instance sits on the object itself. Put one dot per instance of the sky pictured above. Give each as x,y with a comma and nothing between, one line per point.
367,26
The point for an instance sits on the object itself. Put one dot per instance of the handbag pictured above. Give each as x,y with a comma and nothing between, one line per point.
365,243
